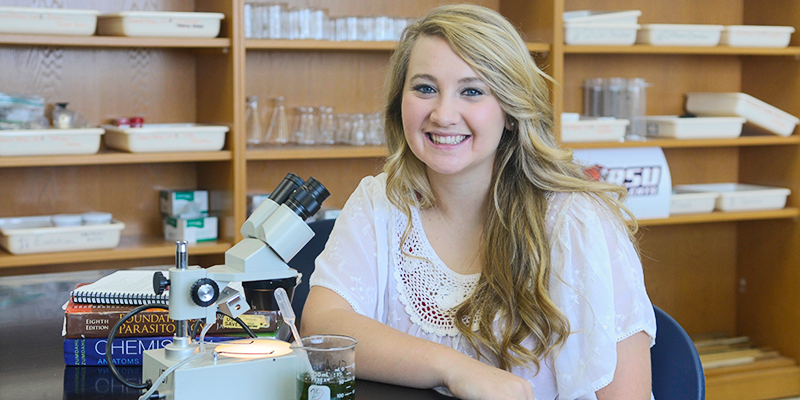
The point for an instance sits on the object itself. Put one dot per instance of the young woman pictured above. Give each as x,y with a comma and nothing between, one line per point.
482,260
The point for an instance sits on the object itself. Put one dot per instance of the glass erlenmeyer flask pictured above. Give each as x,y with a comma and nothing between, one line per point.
253,122
278,132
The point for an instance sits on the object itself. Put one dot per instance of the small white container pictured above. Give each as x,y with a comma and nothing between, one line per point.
670,126
627,17
160,24
25,235
683,202
679,35
48,21
63,220
758,113
594,130
756,36
166,137
600,34
34,142
742,197
96,218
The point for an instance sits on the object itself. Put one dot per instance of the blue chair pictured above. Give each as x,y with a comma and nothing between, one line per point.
677,371
303,262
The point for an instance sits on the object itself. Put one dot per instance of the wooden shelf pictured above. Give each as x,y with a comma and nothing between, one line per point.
682,143
282,44
130,248
111,41
292,152
717,50
108,157
717,216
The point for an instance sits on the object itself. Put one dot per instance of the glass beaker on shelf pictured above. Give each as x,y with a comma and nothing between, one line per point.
343,128
374,134
253,122
278,132
358,135
327,125
304,129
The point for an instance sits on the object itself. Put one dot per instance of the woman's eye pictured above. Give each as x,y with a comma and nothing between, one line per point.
424,89
472,92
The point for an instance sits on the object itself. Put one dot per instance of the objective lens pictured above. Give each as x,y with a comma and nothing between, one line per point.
284,189
308,198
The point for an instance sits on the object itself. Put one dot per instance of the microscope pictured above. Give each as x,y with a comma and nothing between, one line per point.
242,369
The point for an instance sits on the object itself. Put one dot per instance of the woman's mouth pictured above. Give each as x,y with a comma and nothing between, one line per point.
446,139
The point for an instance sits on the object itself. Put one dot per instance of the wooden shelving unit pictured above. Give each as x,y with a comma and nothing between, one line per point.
721,272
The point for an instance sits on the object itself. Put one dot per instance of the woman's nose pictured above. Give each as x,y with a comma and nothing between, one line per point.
446,112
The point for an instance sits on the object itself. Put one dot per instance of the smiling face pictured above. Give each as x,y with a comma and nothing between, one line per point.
451,119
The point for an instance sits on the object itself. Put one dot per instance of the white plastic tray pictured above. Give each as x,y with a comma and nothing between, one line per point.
758,113
694,128
602,17
25,235
756,36
600,34
593,130
679,35
160,24
683,202
742,197
166,137
29,142
48,21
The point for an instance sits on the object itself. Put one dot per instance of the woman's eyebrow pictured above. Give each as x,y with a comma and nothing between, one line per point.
429,77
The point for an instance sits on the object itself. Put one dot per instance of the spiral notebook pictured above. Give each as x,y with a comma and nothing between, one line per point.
127,287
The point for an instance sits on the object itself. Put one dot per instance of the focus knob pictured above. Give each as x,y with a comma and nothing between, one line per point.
205,292
160,283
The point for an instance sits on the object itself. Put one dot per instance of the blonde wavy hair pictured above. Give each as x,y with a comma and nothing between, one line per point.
515,252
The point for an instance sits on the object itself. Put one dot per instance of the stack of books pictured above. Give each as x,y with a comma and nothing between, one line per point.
93,309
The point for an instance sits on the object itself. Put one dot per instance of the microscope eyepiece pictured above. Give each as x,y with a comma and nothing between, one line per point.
284,189
308,198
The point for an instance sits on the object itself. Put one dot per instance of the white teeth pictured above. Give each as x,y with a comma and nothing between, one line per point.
447,139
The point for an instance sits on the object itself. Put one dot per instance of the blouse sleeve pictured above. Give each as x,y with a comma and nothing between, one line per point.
599,285
353,263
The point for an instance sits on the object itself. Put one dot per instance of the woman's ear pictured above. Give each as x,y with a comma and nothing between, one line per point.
511,125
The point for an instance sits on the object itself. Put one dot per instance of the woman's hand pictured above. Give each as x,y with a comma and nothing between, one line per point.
474,380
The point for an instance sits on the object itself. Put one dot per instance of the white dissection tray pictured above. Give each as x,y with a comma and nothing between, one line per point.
679,35
600,34
742,197
166,137
756,36
48,21
669,126
160,24
758,113
25,235
601,17
593,130
683,202
32,142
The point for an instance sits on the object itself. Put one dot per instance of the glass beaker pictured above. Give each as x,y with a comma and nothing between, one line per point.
636,108
253,122
327,126
278,132
305,131
343,127
593,97
374,129
332,360
358,134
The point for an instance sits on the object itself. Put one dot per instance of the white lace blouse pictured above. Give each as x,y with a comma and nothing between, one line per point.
597,283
